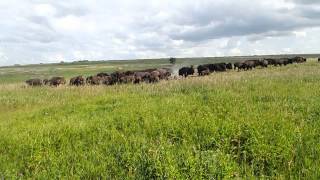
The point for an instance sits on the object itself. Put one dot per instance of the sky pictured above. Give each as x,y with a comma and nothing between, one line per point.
46,31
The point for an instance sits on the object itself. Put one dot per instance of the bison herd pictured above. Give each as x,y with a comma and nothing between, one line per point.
206,69
133,77
155,75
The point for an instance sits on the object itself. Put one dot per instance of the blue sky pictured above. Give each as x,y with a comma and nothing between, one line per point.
34,31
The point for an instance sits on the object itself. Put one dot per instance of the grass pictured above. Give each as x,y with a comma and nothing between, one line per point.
262,123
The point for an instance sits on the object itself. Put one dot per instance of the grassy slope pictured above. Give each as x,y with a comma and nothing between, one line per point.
259,123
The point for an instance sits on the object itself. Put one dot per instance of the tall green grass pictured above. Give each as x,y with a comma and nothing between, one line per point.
261,123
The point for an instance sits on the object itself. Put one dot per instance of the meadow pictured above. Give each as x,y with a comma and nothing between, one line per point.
263,123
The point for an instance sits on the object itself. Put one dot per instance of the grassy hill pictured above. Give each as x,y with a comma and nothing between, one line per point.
260,123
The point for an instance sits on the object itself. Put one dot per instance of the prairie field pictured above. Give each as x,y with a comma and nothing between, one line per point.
263,123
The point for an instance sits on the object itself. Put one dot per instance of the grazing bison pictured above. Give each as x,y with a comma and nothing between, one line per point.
186,71
34,82
319,59
56,81
93,80
77,81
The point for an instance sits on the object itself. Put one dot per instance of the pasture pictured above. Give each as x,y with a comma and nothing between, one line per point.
263,123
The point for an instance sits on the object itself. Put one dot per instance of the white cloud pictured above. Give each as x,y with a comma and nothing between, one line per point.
50,31
300,33
44,10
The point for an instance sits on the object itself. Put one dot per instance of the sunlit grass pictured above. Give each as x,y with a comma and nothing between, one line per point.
261,123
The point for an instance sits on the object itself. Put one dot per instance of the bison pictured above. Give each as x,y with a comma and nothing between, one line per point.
102,74
298,59
77,81
219,67
229,66
203,70
34,82
127,79
186,71
117,76
140,77
154,76
46,82
263,63
244,65
285,61
57,81
106,80
93,80
164,73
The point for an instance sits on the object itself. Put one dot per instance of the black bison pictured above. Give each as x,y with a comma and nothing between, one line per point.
319,59
286,61
203,70
229,66
56,81
279,62
34,82
186,71
250,64
77,81
239,66
217,67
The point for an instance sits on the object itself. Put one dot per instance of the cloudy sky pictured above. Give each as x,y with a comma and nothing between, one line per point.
34,31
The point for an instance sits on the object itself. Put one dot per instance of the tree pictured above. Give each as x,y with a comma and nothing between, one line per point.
172,60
